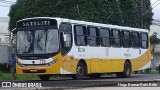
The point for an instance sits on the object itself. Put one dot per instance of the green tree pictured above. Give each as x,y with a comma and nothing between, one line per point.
147,16
131,12
117,12
154,40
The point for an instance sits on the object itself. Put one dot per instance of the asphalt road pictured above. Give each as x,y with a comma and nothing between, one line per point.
68,83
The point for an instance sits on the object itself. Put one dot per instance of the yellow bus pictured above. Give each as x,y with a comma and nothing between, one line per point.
46,46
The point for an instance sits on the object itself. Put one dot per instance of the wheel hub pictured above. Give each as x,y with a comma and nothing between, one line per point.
79,70
128,71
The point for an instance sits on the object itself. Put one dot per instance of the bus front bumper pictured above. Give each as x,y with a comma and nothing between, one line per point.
54,69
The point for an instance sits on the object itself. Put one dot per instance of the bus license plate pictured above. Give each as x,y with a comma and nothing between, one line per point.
33,70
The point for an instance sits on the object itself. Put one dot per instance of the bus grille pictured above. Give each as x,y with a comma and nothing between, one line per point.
34,64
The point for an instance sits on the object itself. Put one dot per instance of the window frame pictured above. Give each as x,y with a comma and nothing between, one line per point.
132,39
143,40
107,29
75,35
119,34
65,50
123,38
96,37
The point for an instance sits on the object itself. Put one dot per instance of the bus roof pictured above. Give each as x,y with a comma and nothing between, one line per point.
89,23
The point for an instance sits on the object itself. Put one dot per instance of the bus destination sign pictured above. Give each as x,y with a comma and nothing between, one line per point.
34,23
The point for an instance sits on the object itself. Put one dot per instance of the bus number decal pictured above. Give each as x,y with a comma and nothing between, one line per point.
81,49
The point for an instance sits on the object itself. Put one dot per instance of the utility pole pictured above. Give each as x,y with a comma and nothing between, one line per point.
78,11
142,13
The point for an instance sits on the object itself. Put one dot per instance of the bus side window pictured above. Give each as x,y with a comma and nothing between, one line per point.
65,37
135,42
144,40
80,35
105,37
93,36
126,39
116,39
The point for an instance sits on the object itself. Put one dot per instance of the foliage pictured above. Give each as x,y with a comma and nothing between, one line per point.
3,67
131,12
154,40
157,52
7,76
117,12
147,17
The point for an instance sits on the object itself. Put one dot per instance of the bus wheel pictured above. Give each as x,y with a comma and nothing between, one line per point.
95,76
127,71
44,77
80,71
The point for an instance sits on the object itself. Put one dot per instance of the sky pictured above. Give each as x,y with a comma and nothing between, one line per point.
156,9
5,7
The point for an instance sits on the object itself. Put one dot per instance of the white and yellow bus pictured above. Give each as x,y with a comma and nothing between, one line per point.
47,46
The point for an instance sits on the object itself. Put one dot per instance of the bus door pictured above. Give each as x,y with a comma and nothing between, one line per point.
66,43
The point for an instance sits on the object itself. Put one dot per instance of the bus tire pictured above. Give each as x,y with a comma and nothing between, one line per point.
44,77
80,71
127,71
95,76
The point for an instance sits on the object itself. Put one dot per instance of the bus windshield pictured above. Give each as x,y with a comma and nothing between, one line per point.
37,41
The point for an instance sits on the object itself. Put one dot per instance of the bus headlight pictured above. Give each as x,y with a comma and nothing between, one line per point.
20,64
52,62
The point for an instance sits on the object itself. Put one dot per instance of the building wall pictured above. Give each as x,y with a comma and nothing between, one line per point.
155,27
4,40
4,32
156,59
4,54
